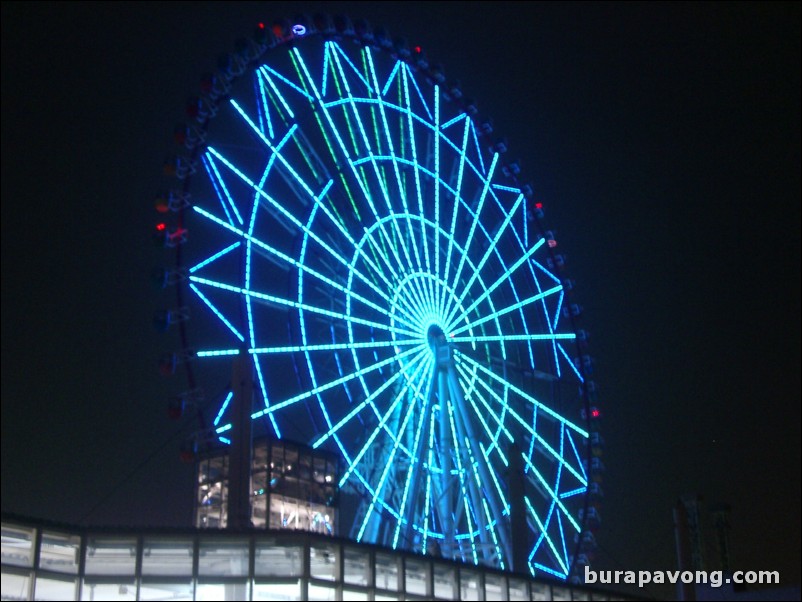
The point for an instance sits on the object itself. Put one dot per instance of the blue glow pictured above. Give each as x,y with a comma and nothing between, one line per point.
373,257
223,408
217,312
214,257
550,543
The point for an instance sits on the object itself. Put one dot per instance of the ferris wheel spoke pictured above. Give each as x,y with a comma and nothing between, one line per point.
499,420
418,191
380,426
370,154
366,194
490,249
369,399
474,223
457,197
456,445
334,346
295,263
504,338
502,312
436,140
503,278
415,465
523,394
535,436
281,302
333,383
389,140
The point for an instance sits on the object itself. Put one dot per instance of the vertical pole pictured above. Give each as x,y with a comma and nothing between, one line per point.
239,459
518,527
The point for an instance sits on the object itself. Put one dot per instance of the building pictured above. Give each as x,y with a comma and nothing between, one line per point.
48,561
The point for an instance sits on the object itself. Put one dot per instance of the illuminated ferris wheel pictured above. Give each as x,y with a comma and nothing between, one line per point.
347,221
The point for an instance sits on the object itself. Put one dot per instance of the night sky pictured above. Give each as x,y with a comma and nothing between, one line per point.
663,140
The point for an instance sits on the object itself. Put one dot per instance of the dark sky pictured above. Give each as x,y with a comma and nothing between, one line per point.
664,140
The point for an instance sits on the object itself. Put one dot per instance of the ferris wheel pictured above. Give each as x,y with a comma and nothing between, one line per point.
345,219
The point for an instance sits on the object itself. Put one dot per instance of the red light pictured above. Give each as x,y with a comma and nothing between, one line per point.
261,25
161,227
552,243
418,49
595,413
538,205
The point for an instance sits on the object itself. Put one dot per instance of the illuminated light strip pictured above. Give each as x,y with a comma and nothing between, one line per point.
545,569
557,312
353,243
515,415
342,53
469,240
490,248
276,92
506,310
217,255
383,478
493,533
265,103
436,137
412,143
217,353
502,497
225,188
332,384
368,400
533,439
295,263
217,191
507,189
388,137
336,346
413,458
576,455
514,337
365,192
542,528
552,493
461,475
427,500
457,192
573,492
450,122
524,395
493,438
369,57
287,258
562,538
291,84
571,363
296,305
490,522
223,408
478,148
223,429
499,420
420,94
504,277
217,312
390,78
326,59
